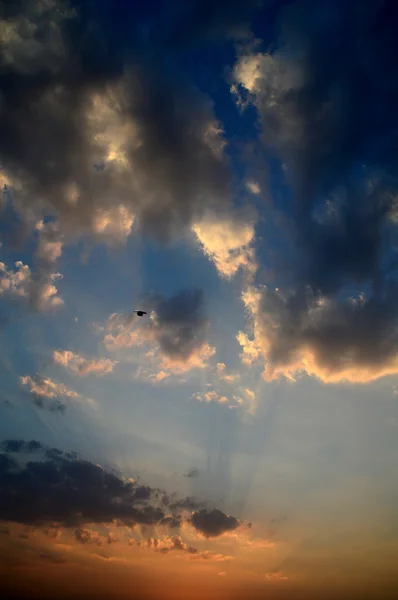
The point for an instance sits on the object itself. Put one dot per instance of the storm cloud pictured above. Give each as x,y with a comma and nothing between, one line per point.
326,95
96,131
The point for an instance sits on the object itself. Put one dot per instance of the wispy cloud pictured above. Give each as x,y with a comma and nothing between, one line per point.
81,366
49,394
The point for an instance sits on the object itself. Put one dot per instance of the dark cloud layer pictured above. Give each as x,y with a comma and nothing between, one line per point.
327,96
65,489
69,491
93,118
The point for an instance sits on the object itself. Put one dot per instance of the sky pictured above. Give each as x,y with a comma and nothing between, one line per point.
230,168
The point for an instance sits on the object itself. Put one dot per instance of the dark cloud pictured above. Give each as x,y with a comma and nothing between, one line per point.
177,326
94,120
50,395
4,530
23,446
188,503
52,405
180,325
352,339
333,79
333,124
172,522
64,490
213,523
216,20
192,472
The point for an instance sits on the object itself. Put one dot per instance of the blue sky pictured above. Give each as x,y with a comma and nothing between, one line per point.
230,168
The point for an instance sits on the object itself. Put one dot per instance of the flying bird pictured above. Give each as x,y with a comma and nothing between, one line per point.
140,313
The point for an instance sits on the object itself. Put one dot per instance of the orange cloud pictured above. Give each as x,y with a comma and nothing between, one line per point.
211,396
50,394
227,241
295,354
79,365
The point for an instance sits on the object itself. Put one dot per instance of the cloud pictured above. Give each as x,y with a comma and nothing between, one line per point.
213,523
276,576
211,396
53,532
228,388
87,536
228,242
333,312
251,351
49,394
96,132
177,544
79,365
65,490
315,119
36,283
172,339
14,283
192,473
347,340
213,21
41,293
50,242
113,224
224,376
253,187
179,324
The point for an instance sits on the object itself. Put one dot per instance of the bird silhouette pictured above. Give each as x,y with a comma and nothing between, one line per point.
140,313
